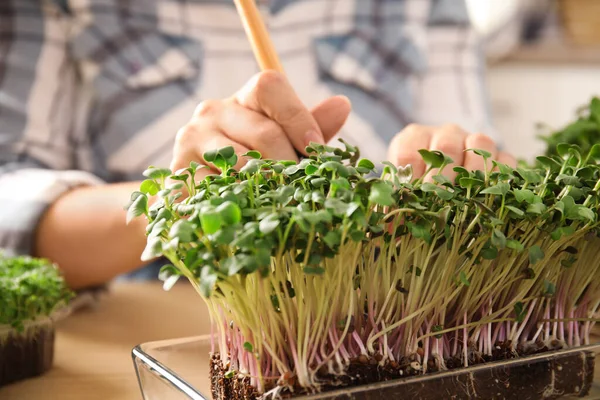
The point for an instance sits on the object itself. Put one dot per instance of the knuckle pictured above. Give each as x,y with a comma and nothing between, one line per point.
292,114
453,128
449,144
268,131
267,79
480,140
185,134
410,129
207,107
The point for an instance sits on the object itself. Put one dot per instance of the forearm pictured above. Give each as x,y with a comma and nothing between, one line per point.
85,233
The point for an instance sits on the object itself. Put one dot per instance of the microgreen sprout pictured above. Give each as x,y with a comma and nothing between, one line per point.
311,266
30,288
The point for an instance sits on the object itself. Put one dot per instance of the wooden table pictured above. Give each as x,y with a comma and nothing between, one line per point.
93,346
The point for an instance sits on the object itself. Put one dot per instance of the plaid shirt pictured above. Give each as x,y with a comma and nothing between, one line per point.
93,91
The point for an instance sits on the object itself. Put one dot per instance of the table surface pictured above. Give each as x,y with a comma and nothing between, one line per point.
93,346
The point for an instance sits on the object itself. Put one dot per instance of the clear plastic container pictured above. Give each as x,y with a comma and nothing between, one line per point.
179,370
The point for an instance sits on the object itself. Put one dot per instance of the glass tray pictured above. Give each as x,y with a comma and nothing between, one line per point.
179,370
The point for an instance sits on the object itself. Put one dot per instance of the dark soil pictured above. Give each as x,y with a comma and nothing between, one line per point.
548,379
26,355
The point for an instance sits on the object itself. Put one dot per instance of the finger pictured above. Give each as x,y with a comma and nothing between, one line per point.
331,115
270,93
450,140
196,139
478,141
255,131
404,148
506,158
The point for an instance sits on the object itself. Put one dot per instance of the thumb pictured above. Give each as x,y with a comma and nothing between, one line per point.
331,114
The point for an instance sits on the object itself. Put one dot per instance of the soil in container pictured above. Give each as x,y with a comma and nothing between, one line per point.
26,354
534,374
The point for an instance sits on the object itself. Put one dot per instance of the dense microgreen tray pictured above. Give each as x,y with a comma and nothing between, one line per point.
309,267
29,288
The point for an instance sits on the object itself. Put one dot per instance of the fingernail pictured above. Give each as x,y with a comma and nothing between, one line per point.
314,136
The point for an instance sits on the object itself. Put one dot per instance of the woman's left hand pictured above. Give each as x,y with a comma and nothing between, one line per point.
450,140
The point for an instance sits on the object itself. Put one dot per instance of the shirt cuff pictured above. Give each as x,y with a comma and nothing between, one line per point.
25,195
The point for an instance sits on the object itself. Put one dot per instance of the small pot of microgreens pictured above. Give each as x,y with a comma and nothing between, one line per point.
31,290
314,272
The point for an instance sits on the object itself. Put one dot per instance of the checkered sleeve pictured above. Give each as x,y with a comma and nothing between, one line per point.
453,89
37,97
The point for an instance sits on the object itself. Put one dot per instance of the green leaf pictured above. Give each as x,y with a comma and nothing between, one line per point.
338,206
586,214
568,180
515,245
252,166
550,163
311,169
594,152
420,230
389,167
416,270
208,279
498,239
182,230
520,312
357,235
291,170
524,195
463,279
333,239
211,222
269,224
444,194
153,249
229,374
595,109
499,189
442,180
428,187
482,153
230,213
248,347
529,175
166,271
253,154
433,159
536,208
490,253
535,254
469,182
366,164
157,173
138,207
170,282
516,211
234,264
226,152
150,187
549,289
210,155
381,193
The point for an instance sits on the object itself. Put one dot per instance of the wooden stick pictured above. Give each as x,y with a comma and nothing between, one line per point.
257,33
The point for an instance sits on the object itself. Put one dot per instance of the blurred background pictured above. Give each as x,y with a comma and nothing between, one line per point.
544,63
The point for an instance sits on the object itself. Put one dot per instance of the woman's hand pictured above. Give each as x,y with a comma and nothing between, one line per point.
265,115
450,140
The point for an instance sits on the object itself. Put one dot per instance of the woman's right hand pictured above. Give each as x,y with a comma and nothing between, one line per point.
265,115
